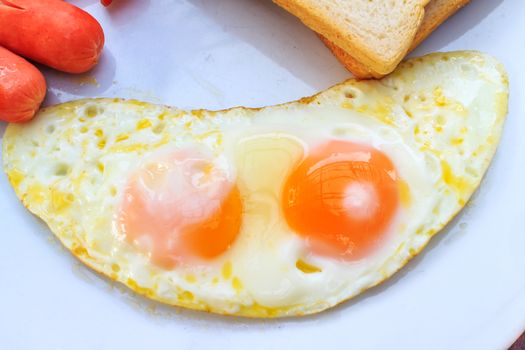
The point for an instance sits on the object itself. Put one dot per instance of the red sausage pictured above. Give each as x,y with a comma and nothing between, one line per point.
22,88
51,32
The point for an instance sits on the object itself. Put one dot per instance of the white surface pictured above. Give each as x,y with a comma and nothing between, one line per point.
466,291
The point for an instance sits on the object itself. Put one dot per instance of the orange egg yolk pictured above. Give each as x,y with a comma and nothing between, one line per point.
180,207
342,199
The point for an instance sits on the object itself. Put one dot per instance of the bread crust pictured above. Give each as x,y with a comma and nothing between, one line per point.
436,12
380,59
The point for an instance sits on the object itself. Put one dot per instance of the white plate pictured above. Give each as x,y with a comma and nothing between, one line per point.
466,291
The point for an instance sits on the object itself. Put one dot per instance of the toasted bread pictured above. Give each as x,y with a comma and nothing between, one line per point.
436,12
377,33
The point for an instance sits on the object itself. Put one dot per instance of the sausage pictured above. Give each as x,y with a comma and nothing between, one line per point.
51,32
22,88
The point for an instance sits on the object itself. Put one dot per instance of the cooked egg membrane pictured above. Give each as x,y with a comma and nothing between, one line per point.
438,118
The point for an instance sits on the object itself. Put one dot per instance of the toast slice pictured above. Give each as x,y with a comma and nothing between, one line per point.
378,33
436,12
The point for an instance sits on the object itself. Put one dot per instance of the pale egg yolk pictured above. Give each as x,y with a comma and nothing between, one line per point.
180,207
342,199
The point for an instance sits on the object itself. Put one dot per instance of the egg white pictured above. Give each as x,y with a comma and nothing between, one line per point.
438,118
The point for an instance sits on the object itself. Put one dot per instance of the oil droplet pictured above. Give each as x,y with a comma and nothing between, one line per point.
87,80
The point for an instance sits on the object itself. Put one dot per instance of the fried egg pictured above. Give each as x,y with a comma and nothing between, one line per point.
278,211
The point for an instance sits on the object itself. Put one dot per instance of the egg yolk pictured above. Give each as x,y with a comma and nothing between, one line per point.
342,199
180,207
